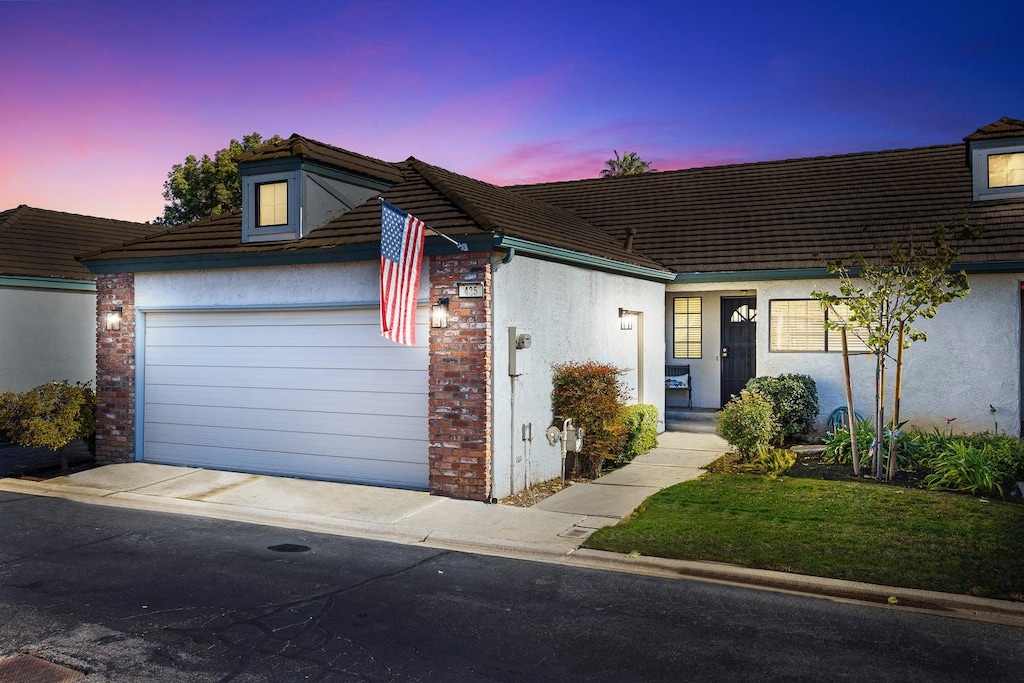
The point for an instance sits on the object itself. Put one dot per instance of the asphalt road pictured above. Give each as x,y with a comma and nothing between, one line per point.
140,596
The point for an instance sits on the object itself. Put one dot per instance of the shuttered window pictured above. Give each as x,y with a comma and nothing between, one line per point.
686,326
798,325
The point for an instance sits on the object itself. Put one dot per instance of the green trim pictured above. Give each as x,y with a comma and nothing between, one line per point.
576,258
822,273
47,283
365,251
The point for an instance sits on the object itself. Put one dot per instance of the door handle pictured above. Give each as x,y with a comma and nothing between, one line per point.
725,352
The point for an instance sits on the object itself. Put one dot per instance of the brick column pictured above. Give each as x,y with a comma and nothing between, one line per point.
460,381
115,370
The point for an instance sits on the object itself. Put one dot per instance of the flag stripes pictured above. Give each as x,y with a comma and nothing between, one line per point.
401,259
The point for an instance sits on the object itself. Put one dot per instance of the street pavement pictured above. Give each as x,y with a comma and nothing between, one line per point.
551,531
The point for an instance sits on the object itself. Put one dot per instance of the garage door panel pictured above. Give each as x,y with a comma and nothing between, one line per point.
328,379
300,393
236,459
303,422
315,357
360,403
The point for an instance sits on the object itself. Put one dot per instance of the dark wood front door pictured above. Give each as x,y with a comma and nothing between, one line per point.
739,344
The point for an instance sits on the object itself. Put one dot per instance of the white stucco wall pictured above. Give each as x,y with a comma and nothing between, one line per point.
572,315
970,361
46,335
266,286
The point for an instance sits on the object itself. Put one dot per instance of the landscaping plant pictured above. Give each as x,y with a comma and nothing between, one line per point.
593,395
641,422
50,416
770,461
794,400
748,421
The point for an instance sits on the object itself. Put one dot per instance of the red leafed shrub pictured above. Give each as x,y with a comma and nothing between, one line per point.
593,395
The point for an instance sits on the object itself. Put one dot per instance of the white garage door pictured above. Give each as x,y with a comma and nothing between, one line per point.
313,393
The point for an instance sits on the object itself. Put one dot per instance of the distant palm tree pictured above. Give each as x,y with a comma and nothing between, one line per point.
629,163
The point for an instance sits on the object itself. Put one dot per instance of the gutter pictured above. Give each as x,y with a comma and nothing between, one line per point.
47,283
559,255
822,273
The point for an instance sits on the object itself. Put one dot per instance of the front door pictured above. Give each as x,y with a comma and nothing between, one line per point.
739,343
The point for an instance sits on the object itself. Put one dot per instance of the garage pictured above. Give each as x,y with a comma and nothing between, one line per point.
314,393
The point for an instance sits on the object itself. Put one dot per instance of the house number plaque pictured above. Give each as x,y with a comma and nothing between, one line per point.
471,290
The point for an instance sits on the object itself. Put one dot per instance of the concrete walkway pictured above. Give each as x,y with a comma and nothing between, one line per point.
551,531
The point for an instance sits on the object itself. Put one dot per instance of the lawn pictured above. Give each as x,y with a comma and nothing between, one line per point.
859,531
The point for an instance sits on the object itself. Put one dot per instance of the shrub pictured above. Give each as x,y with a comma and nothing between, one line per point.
770,461
963,466
49,416
748,421
794,399
593,396
641,422
839,451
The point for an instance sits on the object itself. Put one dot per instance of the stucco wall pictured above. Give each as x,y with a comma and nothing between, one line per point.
572,315
46,335
280,285
970,361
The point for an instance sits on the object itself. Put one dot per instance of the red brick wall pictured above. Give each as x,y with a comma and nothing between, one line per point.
460,388
115,370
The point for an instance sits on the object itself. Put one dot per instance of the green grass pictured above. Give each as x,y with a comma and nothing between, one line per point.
857,531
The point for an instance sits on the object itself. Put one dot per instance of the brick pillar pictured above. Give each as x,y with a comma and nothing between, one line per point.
115,370
460,381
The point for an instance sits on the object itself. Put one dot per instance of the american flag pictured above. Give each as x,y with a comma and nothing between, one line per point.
401,257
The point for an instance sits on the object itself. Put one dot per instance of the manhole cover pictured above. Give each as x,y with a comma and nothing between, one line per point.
35,670
288,548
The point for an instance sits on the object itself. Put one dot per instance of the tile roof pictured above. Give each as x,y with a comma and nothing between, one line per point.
41,243
447,202
1003,128
793,214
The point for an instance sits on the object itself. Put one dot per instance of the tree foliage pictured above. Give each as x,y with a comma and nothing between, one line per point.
50,416
204,187
629,163
884,297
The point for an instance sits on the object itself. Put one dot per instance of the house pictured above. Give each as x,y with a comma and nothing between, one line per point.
47,298
251,341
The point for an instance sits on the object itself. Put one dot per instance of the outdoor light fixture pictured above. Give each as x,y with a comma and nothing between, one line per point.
114,319
626,318
439,313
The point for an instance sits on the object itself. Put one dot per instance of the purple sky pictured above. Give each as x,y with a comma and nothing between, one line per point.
100,99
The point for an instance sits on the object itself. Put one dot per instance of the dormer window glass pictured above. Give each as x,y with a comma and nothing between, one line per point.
1006,170
271,204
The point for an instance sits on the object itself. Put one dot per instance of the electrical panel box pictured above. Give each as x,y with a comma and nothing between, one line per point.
517,354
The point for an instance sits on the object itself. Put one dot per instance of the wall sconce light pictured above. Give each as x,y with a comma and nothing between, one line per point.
626,319
439,313
114,319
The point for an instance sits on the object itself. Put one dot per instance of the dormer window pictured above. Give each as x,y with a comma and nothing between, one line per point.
996,157
271,204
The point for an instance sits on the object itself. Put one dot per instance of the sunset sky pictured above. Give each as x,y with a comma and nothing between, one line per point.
100,99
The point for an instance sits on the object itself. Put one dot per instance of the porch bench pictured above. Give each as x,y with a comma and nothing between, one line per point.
678,378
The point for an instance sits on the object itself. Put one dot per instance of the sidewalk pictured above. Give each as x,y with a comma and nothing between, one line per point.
551,531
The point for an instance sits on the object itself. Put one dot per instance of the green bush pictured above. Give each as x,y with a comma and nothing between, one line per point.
794,399
839,451
641,423
964,466
50,416
748,421
593,395
770,461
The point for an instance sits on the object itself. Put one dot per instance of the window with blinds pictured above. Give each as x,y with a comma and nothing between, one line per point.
686,326
798,325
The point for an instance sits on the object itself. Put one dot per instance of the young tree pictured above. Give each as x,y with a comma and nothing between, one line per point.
629,163
200,188
884,297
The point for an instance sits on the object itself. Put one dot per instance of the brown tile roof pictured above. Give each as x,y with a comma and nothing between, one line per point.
1003,128
792,214
447,202
304,148
42,243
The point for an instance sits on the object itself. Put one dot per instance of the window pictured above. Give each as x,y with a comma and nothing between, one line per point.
997,169
272,204
1006,170
797,325
686,326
